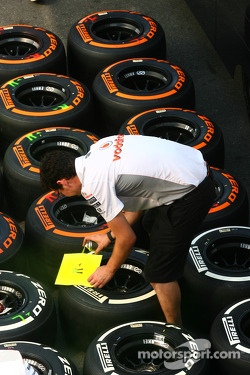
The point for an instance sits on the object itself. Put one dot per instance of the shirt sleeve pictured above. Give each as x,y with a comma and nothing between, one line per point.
102,197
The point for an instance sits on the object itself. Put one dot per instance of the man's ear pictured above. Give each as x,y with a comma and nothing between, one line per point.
62,182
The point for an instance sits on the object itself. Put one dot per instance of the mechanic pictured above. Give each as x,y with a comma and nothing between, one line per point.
123,176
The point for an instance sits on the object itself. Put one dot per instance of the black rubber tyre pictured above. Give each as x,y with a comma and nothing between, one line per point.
1,190
43,359
132,86
27,49
55,226
32,102
231,206
27,310
229,334
119,349
100,39
247,25
21,166
11,242
182,126
85,312
217,271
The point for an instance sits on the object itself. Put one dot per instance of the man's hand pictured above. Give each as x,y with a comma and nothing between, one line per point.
101,240
124,241
100,277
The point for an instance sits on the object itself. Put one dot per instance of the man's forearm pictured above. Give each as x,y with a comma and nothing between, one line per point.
132,217
120,252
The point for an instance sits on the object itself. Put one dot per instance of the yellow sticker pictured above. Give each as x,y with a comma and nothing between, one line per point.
76,268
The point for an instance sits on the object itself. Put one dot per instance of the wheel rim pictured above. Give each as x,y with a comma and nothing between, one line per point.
245,324
11,300
143,80
219,189
44,145
177,131
233,255
116,30
41,367
16,47
41,95
127,279
126,353
75,212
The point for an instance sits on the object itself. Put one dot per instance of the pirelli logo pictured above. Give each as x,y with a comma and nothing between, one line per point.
197,259
6,98
21,156
83,33
230,330
109,83
105,358
132,129
44,217
92,293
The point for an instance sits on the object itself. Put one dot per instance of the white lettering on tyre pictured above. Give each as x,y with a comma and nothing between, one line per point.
105,358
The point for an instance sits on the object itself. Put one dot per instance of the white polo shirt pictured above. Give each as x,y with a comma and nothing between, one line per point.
136,172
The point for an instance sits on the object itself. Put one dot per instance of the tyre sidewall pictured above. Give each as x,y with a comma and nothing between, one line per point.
36,320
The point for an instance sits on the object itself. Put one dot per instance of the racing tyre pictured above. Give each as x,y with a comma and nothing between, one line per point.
217,271
1,190
100,39
145,347
43,359
85,311
231,205
132,86
229,336
21,166
27,310
26,49
11,243
35,101
182,126
55,226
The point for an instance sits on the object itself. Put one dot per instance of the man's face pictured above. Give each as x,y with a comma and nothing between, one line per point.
69,187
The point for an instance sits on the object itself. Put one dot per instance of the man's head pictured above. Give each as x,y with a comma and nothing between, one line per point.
57,172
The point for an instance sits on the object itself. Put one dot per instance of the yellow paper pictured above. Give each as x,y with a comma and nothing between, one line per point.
76,268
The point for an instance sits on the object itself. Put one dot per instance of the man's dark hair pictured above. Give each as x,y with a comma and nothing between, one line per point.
55,165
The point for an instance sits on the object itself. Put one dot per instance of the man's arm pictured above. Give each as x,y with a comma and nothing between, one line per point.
131,218
124,241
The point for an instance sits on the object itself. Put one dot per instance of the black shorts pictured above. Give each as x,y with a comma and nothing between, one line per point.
173,228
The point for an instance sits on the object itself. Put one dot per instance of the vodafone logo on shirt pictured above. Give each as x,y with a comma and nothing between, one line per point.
118,143
106,145
118,147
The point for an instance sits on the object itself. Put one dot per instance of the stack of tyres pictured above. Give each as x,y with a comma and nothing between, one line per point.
103,38
85,311
183,126
27,49
11,244
229,335
147,346
21,164
131,86
55,226
28,309
216,274
39,100
42,358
